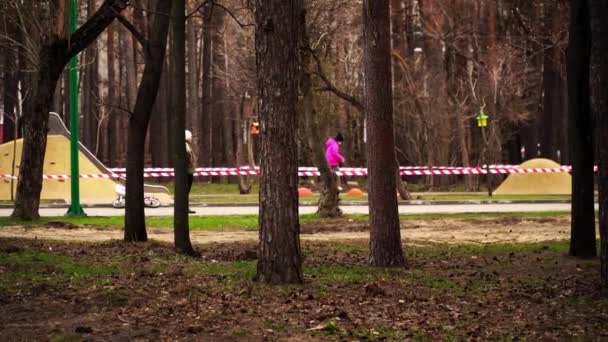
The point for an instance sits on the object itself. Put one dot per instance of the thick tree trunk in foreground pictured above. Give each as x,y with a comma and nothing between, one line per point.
582,234
54,54
598,10
154,52
180,219
385,235
277,27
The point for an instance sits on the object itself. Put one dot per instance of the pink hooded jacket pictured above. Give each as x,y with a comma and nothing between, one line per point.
332,153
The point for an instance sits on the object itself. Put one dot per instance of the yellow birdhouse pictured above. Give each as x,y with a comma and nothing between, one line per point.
482,119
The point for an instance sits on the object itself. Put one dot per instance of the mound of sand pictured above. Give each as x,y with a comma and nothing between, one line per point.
537,183
57,162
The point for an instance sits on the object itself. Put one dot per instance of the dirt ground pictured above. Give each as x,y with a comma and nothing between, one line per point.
110,290
502,230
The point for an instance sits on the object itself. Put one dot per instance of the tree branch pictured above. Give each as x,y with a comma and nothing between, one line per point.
134,31
329,86
232,15
198,8
88,32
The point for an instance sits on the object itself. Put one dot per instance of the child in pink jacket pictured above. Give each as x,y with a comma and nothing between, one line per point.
332,154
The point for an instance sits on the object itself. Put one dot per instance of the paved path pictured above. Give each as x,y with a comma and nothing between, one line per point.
253,210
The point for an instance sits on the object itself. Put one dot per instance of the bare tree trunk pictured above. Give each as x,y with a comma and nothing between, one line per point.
551,85
91,90
582,233
598,12
112,126
192,116
154,49
244,139
180,219
159,139
11,81
206,124
221,120
385,235
277,24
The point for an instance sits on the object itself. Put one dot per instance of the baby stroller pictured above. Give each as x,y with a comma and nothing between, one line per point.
120,202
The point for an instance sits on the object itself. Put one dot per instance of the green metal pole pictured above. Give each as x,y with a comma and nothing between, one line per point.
75,208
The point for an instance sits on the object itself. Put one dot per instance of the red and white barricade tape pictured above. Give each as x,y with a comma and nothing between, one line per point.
313,172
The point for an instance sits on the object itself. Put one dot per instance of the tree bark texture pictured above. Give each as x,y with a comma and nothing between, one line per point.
11,82
154,54
180,219
219,119
598,12
552,103
111,100
582,233
192,119
206,124
385,235
277,50
53,55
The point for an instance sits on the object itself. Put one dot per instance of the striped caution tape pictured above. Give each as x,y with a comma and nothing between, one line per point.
313,172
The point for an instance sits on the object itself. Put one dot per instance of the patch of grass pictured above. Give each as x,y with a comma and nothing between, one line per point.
349,273
242,270
241,332
436,281
443,251
338,273
34,267
383,332
202,188
69,337
468,216
533,281
250,222
276,326
351,249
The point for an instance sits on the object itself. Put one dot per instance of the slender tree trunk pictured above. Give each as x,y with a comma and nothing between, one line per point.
129,60
277,52
598,12
91,91
180,219
221,132
192,119
112,130
582,234
243,142
551,86
11,81
135,220
206,124
385,235
159,145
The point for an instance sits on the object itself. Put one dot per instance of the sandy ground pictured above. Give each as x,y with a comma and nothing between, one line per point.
441,231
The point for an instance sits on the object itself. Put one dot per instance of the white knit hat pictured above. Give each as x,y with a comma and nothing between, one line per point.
188,135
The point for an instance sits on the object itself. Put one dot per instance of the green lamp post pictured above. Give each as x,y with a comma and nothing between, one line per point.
75,208
482,122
